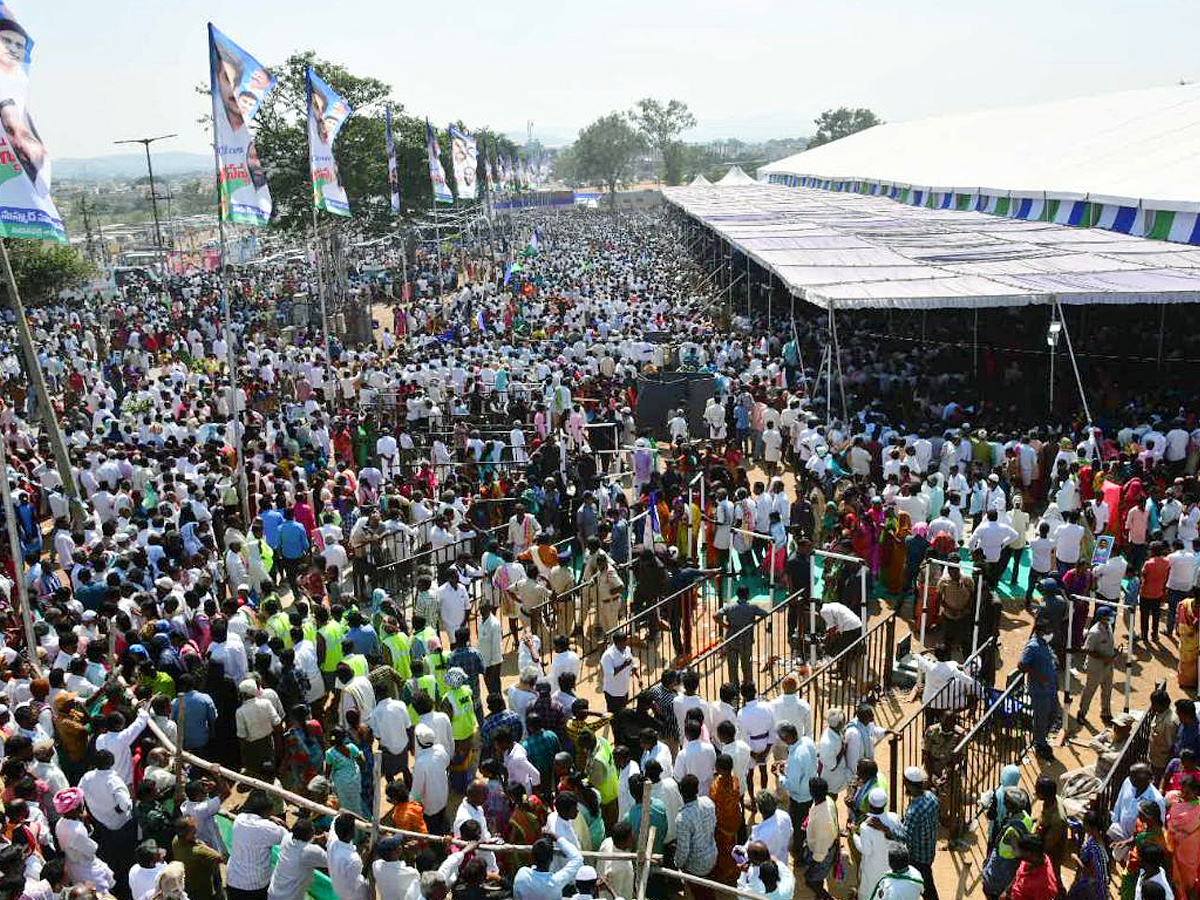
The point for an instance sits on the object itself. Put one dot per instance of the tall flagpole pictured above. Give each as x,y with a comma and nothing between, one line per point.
14,547
321,291
230,350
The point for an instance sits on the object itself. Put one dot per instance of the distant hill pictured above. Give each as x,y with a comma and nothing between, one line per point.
132,165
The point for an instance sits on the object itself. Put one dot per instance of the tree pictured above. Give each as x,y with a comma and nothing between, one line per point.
606,151
838,123
43,268
661,126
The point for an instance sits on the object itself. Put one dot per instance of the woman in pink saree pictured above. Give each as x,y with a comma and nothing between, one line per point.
1183,836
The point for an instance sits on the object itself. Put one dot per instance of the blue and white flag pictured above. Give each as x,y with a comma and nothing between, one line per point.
26,208
238,84
327,113
464,158
393,169
437,174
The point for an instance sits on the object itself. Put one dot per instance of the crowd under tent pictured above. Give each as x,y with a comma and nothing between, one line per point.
844,251
1124,162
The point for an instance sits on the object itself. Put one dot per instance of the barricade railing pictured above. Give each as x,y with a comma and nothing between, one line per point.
816,592
578,607
743,654
931,577
1003,735
860,672
965,694
1135,750
399,577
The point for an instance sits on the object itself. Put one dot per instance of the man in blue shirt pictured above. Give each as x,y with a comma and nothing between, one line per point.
801,765
293,548
1041,673
199,715
272,520
1187,737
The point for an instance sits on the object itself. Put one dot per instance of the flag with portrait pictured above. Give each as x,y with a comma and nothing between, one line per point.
26,208
464,159
393,169
238,85
437,174
327,113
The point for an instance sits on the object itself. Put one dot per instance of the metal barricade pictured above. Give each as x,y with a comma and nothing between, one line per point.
816,589
859,673
751,648
1003,735
1134,751
965,695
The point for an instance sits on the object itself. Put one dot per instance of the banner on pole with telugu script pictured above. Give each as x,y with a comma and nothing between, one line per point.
26,208
464,157
238,85
393,169
327,113
437,174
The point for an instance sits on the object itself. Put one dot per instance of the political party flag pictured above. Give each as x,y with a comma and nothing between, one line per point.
327,113
26,208
238,85
393,169
437,175
535,244
489,179
464,157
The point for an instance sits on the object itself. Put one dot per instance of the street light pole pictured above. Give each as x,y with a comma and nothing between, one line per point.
146,142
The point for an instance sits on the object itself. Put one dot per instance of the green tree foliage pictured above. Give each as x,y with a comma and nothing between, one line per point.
838,123
660,125
606,151
43,268
281,134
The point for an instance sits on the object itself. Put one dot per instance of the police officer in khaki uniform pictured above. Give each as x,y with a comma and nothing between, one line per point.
1101,651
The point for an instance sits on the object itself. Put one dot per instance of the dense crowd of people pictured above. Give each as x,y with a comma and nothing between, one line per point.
457,536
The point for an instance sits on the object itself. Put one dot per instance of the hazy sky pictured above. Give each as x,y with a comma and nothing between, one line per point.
751,69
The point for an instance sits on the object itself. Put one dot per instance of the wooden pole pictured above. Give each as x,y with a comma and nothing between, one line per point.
20,589
644,876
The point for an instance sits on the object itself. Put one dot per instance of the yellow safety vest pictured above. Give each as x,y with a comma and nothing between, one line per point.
608,784
332,632
428,684
309,627
400,648
462,716
281,627
358,664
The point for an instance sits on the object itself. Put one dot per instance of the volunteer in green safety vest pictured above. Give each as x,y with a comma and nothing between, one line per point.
356,661
602,773
459,705
329,644
277,623
419,683
397,648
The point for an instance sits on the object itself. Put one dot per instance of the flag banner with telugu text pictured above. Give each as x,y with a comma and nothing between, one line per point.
26,208
437,174
393,169
238,84
464,156
327,113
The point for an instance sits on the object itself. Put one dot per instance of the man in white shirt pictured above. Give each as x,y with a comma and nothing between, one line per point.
776,828
1110,576
394,878
110,806
862,734
1068,541
118,738
696,757
992,537
757,722
390,722
254,835
431,781
617,668
1181,578
345,864
298,858
789,706
946,686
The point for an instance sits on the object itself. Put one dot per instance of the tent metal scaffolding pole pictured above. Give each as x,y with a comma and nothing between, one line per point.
838,354
1074,364
1162,324
829,372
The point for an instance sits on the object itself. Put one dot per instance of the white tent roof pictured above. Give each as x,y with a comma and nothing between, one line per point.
700,181
734,177
1127,148
854,250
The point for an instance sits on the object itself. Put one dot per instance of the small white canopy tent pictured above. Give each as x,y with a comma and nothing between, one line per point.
735,177
700,181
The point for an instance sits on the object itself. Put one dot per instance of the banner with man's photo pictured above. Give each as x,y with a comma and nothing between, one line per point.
239,84
437,174
327,113
393,169
26,208
464,157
